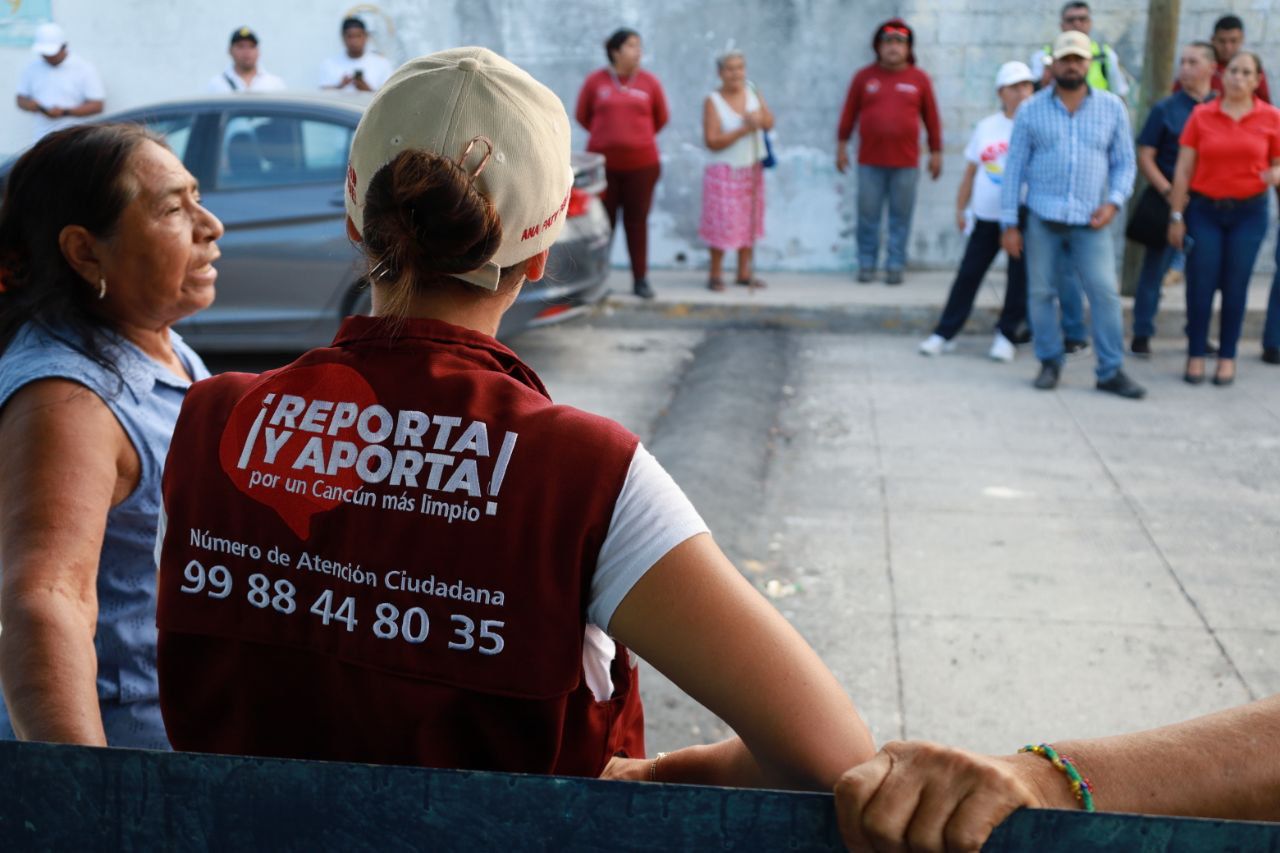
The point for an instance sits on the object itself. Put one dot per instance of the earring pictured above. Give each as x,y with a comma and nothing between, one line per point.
102,288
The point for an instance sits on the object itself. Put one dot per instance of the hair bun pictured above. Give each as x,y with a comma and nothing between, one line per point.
424,217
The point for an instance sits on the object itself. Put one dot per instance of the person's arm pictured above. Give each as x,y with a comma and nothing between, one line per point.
1117,79
25,91
1015,165
87,108
29,104
699,622
67,461
658,98
964,194
764,115
1121,170
93,95
713,134
938,798
932,126
848,120
1179,195
1147,166
585,110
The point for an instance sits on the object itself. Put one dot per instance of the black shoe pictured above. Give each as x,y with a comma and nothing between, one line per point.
1271,355
1223,381
1141,346
1073,347
1048,378
893,277
1022,336
1122,386
1193,378
643,290
866,275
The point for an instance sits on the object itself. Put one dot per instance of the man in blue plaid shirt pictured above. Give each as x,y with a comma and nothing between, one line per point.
1073,149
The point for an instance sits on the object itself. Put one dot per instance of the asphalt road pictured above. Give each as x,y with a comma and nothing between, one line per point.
978,562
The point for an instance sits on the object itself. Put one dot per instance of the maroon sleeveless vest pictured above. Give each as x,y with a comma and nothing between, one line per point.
382,553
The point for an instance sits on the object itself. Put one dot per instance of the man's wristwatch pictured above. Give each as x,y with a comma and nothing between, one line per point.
1175,216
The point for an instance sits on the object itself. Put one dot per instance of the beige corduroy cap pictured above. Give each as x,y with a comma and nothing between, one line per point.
507,128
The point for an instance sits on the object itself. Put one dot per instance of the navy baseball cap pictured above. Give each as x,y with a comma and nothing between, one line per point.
244,34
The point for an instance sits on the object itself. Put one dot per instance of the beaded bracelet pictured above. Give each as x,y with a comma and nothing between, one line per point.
1080,786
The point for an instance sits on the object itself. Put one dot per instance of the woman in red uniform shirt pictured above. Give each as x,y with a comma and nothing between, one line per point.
1229,156
623,108
398,550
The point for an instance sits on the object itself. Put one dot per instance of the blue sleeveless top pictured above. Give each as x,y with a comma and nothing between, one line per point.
145,399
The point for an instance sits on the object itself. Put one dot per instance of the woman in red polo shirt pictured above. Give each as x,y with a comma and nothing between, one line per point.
1229,156
623,107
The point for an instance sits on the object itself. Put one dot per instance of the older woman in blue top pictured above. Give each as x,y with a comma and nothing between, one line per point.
103,246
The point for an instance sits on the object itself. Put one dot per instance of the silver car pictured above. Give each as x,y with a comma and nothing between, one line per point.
273,168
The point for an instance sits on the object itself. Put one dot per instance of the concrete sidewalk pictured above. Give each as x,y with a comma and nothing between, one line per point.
835,302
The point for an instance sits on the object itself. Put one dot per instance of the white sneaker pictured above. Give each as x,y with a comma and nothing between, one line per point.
936,345
1002,349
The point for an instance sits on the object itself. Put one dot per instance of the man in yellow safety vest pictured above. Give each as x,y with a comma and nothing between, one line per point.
1105,72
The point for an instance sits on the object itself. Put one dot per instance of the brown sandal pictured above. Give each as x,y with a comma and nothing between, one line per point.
751,282
715,283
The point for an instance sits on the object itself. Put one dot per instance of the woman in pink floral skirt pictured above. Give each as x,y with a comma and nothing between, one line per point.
734,119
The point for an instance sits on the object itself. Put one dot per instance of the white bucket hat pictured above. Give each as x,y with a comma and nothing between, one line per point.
472,106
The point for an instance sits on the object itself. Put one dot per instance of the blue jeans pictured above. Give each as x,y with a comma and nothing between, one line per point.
1071,301
1051,247
1227,240
1146,301
877,186
1271,329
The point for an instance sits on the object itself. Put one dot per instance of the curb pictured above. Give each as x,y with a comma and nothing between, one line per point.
626,311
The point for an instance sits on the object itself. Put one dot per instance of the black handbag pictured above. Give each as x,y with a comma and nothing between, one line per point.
1149,223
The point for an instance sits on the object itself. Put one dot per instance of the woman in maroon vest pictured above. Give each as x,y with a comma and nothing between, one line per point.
397,549
623,107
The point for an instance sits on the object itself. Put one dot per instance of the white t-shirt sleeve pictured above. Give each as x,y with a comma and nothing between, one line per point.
652,516
26,82
92,83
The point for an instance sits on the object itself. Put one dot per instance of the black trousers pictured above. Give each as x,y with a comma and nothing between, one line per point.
983,246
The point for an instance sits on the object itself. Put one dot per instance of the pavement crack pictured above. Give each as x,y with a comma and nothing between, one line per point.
888,555
1131,504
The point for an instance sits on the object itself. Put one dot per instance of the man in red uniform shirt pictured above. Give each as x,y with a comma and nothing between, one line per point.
887,99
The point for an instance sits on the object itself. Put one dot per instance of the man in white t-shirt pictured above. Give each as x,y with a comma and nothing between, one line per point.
979,199
243,74
357,69
58,87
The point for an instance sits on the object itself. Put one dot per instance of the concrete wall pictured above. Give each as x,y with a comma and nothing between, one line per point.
801,53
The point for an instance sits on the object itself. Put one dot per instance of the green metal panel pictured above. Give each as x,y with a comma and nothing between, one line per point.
75,798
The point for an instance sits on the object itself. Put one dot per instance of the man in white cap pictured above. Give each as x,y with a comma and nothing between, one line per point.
58,87
978,207
1073,148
